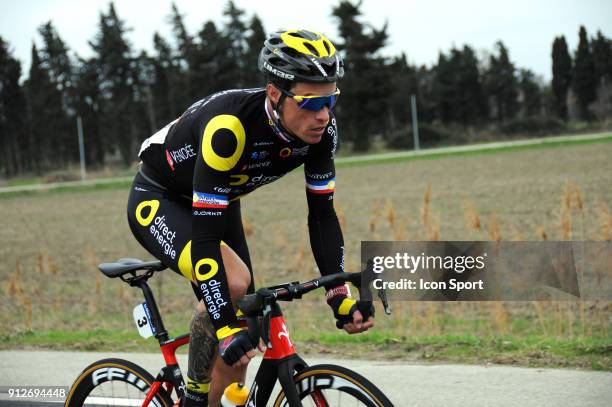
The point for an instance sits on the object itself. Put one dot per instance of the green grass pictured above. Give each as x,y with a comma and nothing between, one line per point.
531,351
504,149
383,160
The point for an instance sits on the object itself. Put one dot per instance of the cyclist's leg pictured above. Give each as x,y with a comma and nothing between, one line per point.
223,374
161,222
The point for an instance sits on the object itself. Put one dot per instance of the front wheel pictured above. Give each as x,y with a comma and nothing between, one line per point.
331,385
114,382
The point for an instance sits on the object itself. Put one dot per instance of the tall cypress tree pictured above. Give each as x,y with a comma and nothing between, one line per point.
444,89
367,84
561,75
254,41
88,103
116,65
45,116
470,104
184,59
210,61
502,84
602,56
13,137
531,93
232,73
405,85
55,59
584,83
56,62
167,80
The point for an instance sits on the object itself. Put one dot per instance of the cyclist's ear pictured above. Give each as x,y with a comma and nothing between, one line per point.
273,93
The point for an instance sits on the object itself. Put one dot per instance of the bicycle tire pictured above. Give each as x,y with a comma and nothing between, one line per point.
96,376
316,381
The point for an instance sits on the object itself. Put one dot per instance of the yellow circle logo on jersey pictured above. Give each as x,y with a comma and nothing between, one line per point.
146,221
285,152
214,160
214,267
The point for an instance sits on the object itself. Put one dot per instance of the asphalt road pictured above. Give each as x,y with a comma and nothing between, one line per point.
405,384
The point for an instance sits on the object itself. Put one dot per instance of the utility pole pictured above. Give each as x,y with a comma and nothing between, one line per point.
81,148
415,122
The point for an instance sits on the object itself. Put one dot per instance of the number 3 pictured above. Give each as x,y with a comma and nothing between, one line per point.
142,322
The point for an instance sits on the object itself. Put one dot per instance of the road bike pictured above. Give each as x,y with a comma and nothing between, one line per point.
121,382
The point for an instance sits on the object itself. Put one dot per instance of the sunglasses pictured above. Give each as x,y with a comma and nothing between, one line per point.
314,103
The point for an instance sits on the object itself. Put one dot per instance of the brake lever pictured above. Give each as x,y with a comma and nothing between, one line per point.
382,294
265,322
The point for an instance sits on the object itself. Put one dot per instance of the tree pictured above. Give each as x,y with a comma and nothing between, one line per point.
584,83
54,58
254,41
87,103
502,84
13,138
472,105
602,56
166,82
531,93
458,89
56,62
405,85
366,85
46,117
210,61
184,60
444,89
116,79
562,76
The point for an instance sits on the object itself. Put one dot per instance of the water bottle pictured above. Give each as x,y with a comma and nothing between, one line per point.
235,395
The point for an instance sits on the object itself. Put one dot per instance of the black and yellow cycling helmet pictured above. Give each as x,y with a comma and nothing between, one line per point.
300,56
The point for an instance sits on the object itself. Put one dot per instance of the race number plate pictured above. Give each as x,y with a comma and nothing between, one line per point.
142,318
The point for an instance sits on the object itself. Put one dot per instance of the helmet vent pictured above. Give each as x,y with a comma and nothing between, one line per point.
312,49
327,48
291,52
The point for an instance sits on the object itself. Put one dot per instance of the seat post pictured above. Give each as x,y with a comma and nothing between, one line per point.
161,334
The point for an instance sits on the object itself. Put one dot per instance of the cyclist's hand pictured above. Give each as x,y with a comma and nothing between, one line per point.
348,312
236,349
357,325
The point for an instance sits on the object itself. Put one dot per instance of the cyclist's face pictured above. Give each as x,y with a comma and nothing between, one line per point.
305,124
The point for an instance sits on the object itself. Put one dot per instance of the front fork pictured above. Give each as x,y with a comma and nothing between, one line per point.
280,361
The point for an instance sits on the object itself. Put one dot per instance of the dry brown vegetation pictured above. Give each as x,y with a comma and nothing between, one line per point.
51,243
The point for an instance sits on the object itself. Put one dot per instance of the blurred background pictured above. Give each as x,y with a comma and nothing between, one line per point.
477,71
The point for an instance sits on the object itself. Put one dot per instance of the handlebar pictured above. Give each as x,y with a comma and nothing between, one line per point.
261,302
253,304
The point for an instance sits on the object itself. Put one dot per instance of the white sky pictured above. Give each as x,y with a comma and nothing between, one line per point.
419,28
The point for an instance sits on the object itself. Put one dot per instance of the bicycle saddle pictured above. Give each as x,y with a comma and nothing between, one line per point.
129,265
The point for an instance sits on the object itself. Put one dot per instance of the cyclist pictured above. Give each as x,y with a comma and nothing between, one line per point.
184,206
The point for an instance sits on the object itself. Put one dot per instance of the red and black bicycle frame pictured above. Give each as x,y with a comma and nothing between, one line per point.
280,362
170,376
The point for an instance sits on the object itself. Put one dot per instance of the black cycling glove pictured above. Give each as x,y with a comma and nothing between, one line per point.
234,345
339,299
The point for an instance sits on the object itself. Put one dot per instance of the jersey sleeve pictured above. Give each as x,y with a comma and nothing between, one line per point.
324,229
221,147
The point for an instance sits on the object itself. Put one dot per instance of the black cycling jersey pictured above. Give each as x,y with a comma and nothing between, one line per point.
222,148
